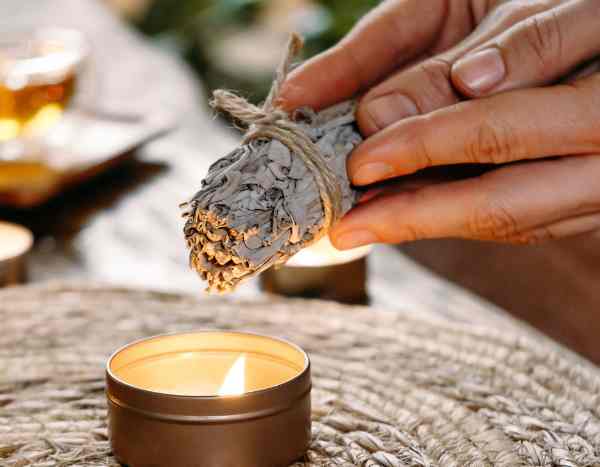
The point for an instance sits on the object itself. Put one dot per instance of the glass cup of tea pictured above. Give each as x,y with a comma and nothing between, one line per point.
40,78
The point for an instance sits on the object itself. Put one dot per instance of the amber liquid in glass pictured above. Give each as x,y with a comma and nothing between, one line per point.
34,107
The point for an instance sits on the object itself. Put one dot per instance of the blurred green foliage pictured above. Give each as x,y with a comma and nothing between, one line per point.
182,18
192,27
344,14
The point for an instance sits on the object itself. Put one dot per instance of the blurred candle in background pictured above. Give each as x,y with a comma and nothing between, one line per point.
15,243
322,271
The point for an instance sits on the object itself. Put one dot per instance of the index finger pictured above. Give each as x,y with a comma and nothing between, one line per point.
390,35
516,125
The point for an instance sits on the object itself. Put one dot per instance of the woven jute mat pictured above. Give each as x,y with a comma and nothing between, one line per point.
390,388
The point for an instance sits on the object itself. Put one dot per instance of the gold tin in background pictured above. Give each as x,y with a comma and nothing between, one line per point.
15,243
155,418
322,271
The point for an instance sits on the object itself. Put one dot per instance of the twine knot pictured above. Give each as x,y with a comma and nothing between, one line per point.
272,122
246,112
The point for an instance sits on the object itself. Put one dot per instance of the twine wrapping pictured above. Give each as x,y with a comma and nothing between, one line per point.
274,123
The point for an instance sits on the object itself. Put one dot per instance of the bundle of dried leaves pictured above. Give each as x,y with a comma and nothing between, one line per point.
277,193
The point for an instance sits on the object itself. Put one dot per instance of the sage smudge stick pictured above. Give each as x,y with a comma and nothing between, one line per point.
277,193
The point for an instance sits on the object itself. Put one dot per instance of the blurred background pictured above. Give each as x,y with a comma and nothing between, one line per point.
105,129
236,44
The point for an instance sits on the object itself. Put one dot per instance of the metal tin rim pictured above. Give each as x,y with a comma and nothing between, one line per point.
264,391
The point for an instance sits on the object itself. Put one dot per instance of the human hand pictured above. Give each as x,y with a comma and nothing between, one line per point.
418,118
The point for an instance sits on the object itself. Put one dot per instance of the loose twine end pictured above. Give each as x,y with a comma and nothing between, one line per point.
269,121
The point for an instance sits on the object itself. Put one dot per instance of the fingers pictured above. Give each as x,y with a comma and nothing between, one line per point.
567,228
522,124
424,178
382,41
518,203
535,51
428,86
415,91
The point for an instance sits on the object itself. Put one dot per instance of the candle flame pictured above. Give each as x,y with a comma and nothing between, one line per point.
234,383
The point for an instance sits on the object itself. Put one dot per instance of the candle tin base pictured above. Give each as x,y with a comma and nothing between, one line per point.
267,427
345,283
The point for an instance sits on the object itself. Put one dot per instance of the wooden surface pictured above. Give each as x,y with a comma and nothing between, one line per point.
125,228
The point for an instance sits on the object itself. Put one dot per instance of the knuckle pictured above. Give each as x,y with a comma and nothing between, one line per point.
494,143
346,52
410,230
587,93
535,237
414,131
511,12
398,232
493,221
438,89
543,36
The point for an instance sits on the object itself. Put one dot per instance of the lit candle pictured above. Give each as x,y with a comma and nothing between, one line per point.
322,271
208,399
15,242
206,373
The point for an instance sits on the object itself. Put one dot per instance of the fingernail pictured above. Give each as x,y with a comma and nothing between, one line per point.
481,71
390,108
289,97
354,239
372,172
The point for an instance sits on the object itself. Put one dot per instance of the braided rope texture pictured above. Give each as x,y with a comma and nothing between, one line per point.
270,122
391,389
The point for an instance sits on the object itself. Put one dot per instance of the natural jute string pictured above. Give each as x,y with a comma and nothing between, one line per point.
274,123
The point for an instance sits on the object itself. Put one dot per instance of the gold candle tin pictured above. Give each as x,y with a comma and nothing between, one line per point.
167,408
15,243
322,271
